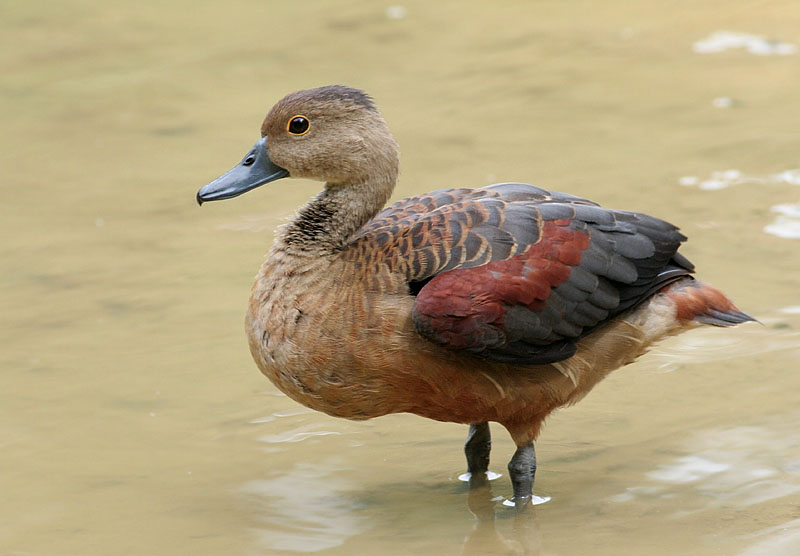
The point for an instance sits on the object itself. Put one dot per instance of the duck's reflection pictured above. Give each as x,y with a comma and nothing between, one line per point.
485,539
303,510
314,507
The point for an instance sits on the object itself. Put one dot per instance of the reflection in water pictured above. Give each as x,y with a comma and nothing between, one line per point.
485,539
304,510
312,508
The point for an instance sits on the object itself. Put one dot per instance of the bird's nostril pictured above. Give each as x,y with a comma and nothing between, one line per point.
249,159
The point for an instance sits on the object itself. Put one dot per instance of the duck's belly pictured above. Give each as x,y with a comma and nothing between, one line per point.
330,346
357,355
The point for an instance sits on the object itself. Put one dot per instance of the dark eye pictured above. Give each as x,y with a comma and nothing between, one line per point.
298,125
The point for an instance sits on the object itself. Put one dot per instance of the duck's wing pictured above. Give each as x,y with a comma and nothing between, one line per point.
515,273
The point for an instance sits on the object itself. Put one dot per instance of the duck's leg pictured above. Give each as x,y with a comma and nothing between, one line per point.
522,470
477,448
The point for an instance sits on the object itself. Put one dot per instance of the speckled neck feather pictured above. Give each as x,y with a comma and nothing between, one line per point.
329,220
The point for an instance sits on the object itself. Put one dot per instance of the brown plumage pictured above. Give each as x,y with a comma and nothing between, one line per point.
500,303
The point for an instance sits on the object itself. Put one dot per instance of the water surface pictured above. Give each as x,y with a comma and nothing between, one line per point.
132,419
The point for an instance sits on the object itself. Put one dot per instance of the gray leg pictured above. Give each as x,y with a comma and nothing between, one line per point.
477,448
522,470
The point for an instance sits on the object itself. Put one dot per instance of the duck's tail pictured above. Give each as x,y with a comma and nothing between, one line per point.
704,304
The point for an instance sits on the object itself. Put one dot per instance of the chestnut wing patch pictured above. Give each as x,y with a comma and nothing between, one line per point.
509,309
518,274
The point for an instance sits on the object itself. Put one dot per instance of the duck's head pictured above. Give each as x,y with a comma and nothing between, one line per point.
332,134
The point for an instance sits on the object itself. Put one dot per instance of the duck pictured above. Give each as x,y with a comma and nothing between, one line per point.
497,304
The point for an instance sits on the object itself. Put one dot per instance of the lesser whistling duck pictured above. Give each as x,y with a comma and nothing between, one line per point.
500,303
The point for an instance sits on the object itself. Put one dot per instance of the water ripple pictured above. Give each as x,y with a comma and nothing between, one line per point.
782,540
737,466
709,344
295,435
722,179
754,44
787,223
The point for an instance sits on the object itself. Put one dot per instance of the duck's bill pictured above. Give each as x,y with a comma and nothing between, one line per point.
255,169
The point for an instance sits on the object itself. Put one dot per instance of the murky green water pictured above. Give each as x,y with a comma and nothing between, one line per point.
132,420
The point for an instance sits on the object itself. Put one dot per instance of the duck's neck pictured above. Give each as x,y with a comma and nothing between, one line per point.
328,222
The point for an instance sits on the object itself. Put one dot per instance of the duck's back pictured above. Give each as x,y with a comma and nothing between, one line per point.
514,273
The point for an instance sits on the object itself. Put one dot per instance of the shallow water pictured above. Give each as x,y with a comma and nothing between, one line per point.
132,419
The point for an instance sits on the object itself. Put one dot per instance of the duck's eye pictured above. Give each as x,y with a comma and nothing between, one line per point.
298,125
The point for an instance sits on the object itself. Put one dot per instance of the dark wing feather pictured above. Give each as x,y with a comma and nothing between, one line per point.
515,273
